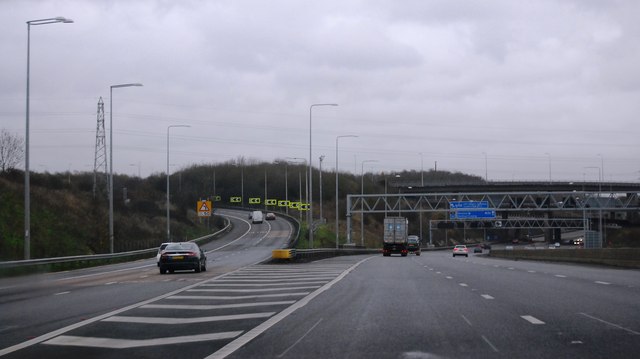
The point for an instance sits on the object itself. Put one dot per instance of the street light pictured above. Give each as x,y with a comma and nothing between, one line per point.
299,180
27,189
337,226
168,175
111,159
486,173
310,214
548,154
362,201
600,229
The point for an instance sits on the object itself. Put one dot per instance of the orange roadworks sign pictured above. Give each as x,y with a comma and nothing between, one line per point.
204,208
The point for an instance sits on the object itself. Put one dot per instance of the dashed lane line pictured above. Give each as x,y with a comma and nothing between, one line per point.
531,319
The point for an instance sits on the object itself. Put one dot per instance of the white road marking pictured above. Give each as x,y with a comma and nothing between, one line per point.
489,343
168,321
69,340
209,307
531,271
511,268
229,290
561,276
486,296
449,277
299,339
532,319
466,320
603,283
225,280
255,284
463,284
611,324
238,297
62,293
253,333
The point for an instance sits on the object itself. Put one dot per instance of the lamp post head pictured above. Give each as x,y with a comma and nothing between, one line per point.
126,85
64,20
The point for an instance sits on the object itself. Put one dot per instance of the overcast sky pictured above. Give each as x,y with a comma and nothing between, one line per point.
531,89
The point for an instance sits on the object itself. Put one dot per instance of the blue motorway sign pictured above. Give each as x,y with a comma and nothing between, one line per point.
474,214
468,204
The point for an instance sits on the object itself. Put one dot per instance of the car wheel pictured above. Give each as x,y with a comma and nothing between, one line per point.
171,270
163,270
198,267
204,266
466,255
418,253
454,256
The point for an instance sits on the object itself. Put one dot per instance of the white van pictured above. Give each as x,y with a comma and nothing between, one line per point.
256,217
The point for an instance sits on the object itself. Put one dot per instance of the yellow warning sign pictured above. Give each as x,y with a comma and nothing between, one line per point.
270,202
204,208
254,200
235,199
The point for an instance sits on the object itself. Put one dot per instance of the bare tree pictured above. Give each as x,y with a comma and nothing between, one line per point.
11,150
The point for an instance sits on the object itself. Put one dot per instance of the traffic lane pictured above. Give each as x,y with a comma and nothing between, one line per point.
583,317
403,307
39,304
387,307
255,245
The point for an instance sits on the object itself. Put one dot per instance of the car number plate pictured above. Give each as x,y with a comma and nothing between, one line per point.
177,257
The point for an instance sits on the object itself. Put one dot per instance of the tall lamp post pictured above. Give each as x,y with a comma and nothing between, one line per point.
337,217
168,175
362,201
310,214
111,238
600,229
27,189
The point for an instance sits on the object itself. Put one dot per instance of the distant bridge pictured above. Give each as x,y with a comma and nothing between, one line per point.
552,200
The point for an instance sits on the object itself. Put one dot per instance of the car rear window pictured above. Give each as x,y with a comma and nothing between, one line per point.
181,246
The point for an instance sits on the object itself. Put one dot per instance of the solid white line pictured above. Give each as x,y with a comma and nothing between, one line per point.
229,290
237,297
603,283
561,276
489,343
486,296
62,293
219,306
231,279
300,339
256,284
532,319
253,333
69,340
611,324
161,320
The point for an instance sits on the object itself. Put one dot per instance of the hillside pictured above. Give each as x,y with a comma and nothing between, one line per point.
68,219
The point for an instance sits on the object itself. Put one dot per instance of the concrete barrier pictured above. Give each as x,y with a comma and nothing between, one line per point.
619,257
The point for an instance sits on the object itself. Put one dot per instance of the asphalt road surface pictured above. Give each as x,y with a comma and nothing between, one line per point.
432,306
